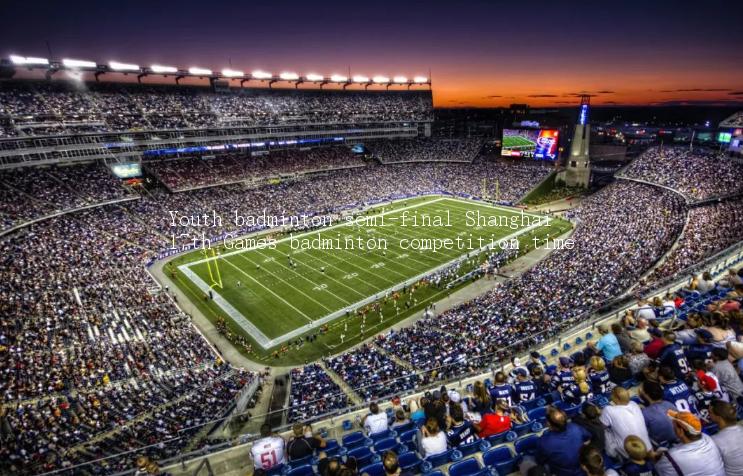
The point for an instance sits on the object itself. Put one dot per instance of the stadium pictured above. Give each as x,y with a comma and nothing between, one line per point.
222,272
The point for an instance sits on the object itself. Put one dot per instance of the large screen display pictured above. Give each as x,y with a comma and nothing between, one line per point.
126,171
539,144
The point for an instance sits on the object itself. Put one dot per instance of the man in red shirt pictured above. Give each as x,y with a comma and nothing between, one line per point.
656,344
494,423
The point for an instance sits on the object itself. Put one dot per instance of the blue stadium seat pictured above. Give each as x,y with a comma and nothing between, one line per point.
300,462
538,414
474,447
435,473
535,403
501,459
347,425
710,429
566,346
467,467
495,440
522,428
572,411
384,445
409,461
375,469
526,445
304,470
354,440
440,459
408,438
363,456
276,470
554,352
629,383
383,435
488,383
332,448
403,428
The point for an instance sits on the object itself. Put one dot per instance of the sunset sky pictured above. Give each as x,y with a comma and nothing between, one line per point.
480,53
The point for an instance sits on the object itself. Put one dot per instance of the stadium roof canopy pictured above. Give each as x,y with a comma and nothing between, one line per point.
735,121
16,62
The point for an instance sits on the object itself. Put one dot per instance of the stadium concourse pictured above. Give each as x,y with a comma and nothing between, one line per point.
102,371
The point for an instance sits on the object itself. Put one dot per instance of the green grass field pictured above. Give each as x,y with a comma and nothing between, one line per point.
272,300
517,142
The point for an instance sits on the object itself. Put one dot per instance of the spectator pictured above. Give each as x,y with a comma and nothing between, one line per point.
391,464
501,390
592,462
695,455
375,421
607,344
303,443
559,447
590,419
655,413
639,463
656,344
621,419
620,372
433,441
638,359
401,418
640,332
460,432
494,423
672,356
623,338
729,380
728,439
268,452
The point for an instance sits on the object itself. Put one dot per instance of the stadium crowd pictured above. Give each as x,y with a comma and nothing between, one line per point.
187,173
590,412
710,229
698,174
426,150
52,108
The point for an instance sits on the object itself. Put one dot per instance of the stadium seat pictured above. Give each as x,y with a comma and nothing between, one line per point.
304,470
403,428
300,462
384,445
474,447
375,469
332,448
363,456
538,414
522,429
408,438
573,410
409,461
347,425
276,470
467,467
354,440
526,445
495,440
535,403
383,435
440,460
501,459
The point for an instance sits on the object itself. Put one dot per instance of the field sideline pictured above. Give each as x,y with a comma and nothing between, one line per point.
272,296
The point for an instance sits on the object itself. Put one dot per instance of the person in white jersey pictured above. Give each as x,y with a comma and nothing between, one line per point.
376,421
695,455
269,451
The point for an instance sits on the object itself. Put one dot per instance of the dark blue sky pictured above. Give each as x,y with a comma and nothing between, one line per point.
480,52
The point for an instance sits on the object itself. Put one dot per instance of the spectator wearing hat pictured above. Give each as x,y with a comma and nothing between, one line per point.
621,419
725,373
558,448
494,423
608,344
729,439
695,455
375,421
516,366
655,413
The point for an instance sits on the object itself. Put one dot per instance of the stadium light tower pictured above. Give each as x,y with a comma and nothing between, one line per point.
578,171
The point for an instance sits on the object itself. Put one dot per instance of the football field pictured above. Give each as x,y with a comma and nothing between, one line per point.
273,295
517,143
